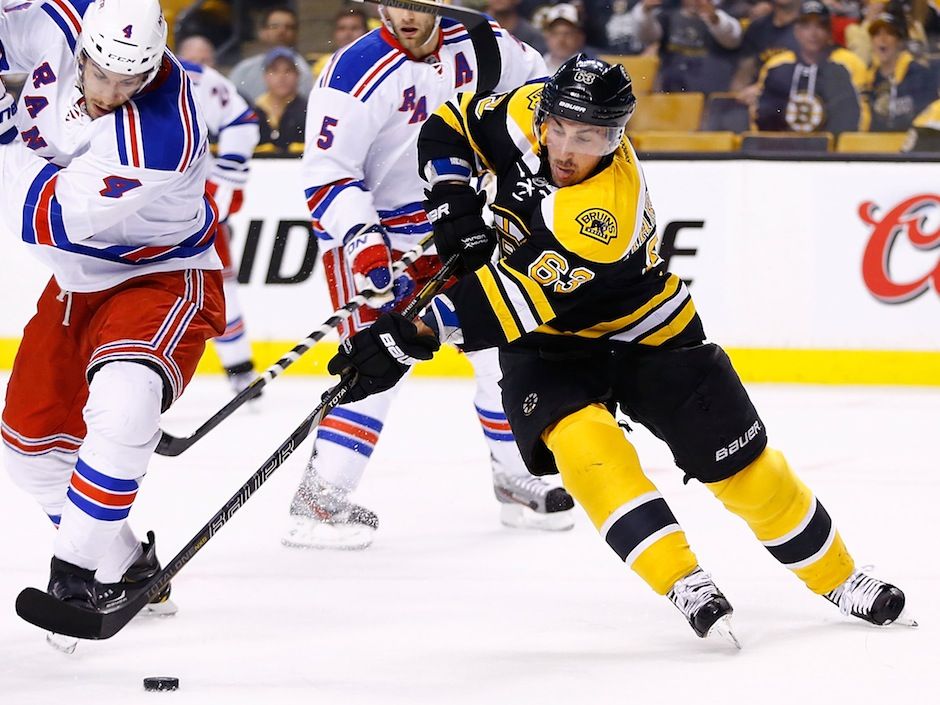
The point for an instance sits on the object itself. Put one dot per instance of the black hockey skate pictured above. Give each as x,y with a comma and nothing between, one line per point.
69,583
135,578
868,598
703,604
528,502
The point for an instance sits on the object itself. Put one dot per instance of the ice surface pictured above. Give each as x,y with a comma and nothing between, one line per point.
449,607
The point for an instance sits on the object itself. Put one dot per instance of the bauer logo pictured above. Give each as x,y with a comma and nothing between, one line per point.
902,257
738,443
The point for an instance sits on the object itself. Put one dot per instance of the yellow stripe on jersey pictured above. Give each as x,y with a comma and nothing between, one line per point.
600,218
676,326
498,303
539,305
624,322
521,111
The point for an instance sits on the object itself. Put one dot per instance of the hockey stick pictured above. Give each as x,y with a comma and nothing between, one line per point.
173,445
478,27
44,611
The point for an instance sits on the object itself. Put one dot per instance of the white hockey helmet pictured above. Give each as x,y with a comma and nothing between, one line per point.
125,36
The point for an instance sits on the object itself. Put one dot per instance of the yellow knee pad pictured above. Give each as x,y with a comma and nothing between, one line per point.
600,468
788,519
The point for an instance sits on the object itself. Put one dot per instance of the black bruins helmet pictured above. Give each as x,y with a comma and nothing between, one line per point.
589,91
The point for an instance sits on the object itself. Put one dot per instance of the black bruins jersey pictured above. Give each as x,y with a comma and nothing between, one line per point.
822,97
579,264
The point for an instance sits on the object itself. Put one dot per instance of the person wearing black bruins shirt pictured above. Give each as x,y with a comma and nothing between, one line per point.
816,88
587,319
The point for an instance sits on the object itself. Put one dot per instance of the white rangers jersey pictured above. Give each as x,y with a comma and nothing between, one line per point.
360,162
101,201
230,121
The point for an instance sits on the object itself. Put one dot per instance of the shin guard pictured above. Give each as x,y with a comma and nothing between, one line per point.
600,468
788,520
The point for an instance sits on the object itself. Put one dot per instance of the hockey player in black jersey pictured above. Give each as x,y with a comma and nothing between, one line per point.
587,320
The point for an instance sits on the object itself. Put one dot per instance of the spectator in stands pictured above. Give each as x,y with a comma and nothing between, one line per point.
697,44
196,49
815,88
623,28
764,37
278,29
858,38
282,111
564,35
506,12
349,24
898,88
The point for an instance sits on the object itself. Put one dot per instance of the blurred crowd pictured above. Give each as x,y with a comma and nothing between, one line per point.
801,66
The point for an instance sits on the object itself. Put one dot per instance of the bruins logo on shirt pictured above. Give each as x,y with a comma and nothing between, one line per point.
805,112
598,224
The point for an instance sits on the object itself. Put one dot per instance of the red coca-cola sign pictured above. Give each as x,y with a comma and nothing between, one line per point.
906,222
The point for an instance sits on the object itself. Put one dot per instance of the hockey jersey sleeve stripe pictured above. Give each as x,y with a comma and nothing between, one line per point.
42,215
534,295
511,327
190,126
66,18
249,117
319,199
43,224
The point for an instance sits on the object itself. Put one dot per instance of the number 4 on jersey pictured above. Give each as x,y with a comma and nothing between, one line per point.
117,186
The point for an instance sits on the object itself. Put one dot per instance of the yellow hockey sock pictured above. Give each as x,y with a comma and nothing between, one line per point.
791,523
601,470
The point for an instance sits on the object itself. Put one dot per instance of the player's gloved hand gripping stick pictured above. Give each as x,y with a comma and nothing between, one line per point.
41,609
173,445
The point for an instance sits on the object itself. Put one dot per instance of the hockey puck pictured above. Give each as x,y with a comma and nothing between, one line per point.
157,683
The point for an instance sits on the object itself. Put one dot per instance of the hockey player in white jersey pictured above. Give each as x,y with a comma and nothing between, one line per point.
234,126
365,197
103,165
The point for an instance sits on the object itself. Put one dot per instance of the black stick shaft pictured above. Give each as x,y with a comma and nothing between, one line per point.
173,446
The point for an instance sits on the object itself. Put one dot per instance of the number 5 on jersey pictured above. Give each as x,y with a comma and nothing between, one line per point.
326,133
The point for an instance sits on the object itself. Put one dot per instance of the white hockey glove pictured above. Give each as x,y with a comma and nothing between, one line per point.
8,129
369,255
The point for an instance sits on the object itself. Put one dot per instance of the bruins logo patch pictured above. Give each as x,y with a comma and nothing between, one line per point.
598,224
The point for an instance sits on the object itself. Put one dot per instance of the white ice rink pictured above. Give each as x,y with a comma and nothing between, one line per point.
449,607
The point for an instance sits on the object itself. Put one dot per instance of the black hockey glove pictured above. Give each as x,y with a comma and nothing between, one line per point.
382,354
455,211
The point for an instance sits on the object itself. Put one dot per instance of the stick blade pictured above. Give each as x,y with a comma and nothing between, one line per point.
171,446
44,611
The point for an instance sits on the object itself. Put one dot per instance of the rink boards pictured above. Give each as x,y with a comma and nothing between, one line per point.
822,272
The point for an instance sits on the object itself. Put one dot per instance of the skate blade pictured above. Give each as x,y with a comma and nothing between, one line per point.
723,629
905,620
518,516
62,643
309,533
167,608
